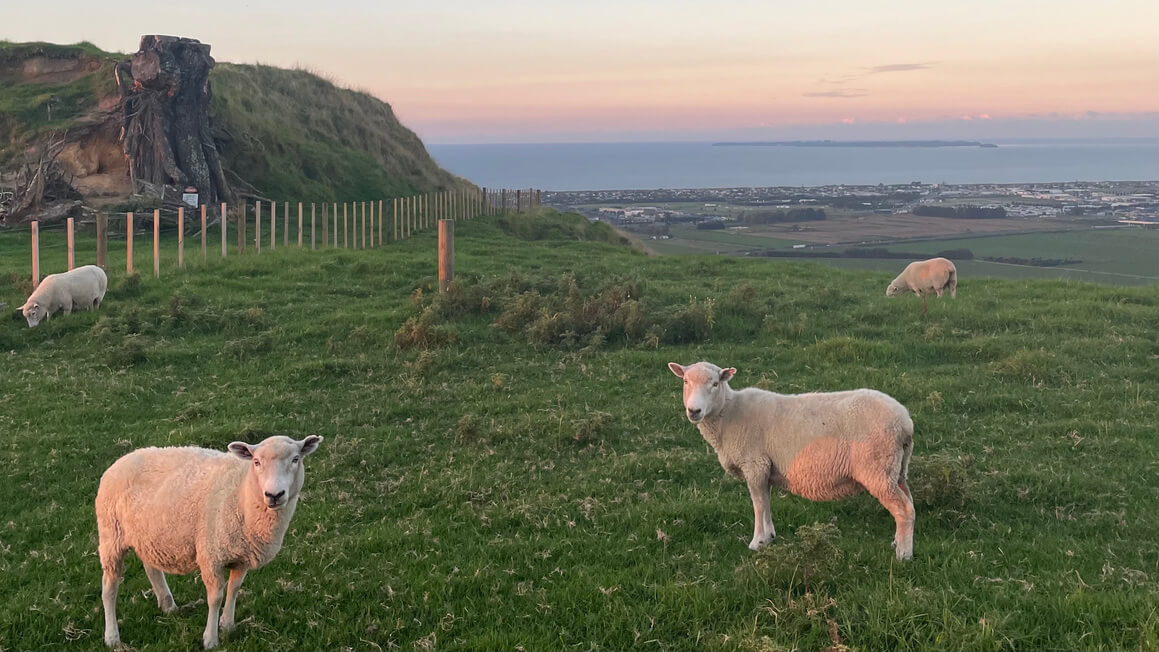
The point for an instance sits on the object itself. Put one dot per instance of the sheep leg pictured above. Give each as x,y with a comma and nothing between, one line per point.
924,304
758,483
890,494
112,563
213,578
236,577
161,589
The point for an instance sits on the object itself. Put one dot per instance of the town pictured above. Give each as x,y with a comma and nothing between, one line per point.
1128,202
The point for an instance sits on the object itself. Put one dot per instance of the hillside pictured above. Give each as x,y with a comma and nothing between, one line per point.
282,133
507,465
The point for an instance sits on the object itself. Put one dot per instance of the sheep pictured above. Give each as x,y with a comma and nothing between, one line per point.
183,509
924,277
820,446
82,288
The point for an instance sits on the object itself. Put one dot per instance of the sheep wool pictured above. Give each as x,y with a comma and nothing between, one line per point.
80,289
183,509
926,277
820,446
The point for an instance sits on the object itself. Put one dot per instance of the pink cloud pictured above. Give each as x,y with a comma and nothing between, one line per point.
983,116
902,120
848,121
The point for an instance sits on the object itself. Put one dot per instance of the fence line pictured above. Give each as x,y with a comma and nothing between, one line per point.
397,219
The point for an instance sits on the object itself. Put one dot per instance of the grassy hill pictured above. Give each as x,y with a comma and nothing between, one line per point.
285,133
507,466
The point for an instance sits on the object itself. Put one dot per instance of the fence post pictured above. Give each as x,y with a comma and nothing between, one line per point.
156,243
313,239
103,241
241,228
325,225
128,243
224,228
370,242
258,226
335,225
285,224
363,225
35,253
273,222
300,225
345,226
380,222
71,245
446,253
394,210
203,233
180,237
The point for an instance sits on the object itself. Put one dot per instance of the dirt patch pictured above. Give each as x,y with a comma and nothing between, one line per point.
45,70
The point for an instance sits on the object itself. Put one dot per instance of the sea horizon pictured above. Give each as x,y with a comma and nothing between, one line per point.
699,164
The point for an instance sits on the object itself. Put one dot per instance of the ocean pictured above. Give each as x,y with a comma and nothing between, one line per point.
621,166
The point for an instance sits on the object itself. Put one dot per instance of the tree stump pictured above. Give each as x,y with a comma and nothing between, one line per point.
166,95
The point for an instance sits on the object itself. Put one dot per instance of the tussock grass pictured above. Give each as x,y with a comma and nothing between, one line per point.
485,493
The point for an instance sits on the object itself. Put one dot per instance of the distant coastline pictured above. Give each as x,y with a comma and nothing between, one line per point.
854,143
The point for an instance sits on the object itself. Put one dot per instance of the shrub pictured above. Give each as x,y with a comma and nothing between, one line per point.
812,556
423,332
692,324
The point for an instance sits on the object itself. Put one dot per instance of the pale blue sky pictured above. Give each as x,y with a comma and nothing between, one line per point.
520,71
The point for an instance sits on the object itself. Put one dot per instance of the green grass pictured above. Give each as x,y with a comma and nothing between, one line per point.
691,240
499,492
1116,256
296,134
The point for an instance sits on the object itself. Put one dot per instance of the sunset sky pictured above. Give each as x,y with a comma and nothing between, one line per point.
520,71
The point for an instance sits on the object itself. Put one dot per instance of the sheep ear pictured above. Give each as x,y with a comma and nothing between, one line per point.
725,374
677,369
310,444
241,450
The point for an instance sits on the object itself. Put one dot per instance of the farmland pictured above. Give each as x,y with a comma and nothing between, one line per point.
506,466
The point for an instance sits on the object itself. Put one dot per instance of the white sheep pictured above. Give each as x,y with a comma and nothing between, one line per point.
820,446
925,277
80,289
185,509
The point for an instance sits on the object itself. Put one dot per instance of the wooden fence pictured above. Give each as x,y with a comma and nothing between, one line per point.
363,224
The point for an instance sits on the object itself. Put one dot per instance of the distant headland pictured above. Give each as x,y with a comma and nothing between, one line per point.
854,143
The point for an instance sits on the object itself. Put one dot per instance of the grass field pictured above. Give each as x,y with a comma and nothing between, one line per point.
691,240
533,484
1115,256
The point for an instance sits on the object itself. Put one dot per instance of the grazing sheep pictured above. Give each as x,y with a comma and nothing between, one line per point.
82,288
925,277
186,509
821,446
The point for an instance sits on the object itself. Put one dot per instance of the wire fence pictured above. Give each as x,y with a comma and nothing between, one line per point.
204,233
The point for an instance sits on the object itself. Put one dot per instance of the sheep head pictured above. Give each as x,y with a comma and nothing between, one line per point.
33,312
276,466
704,385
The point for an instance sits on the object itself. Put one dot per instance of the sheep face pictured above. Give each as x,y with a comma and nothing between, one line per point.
704,385
276,466
33,312
895,289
